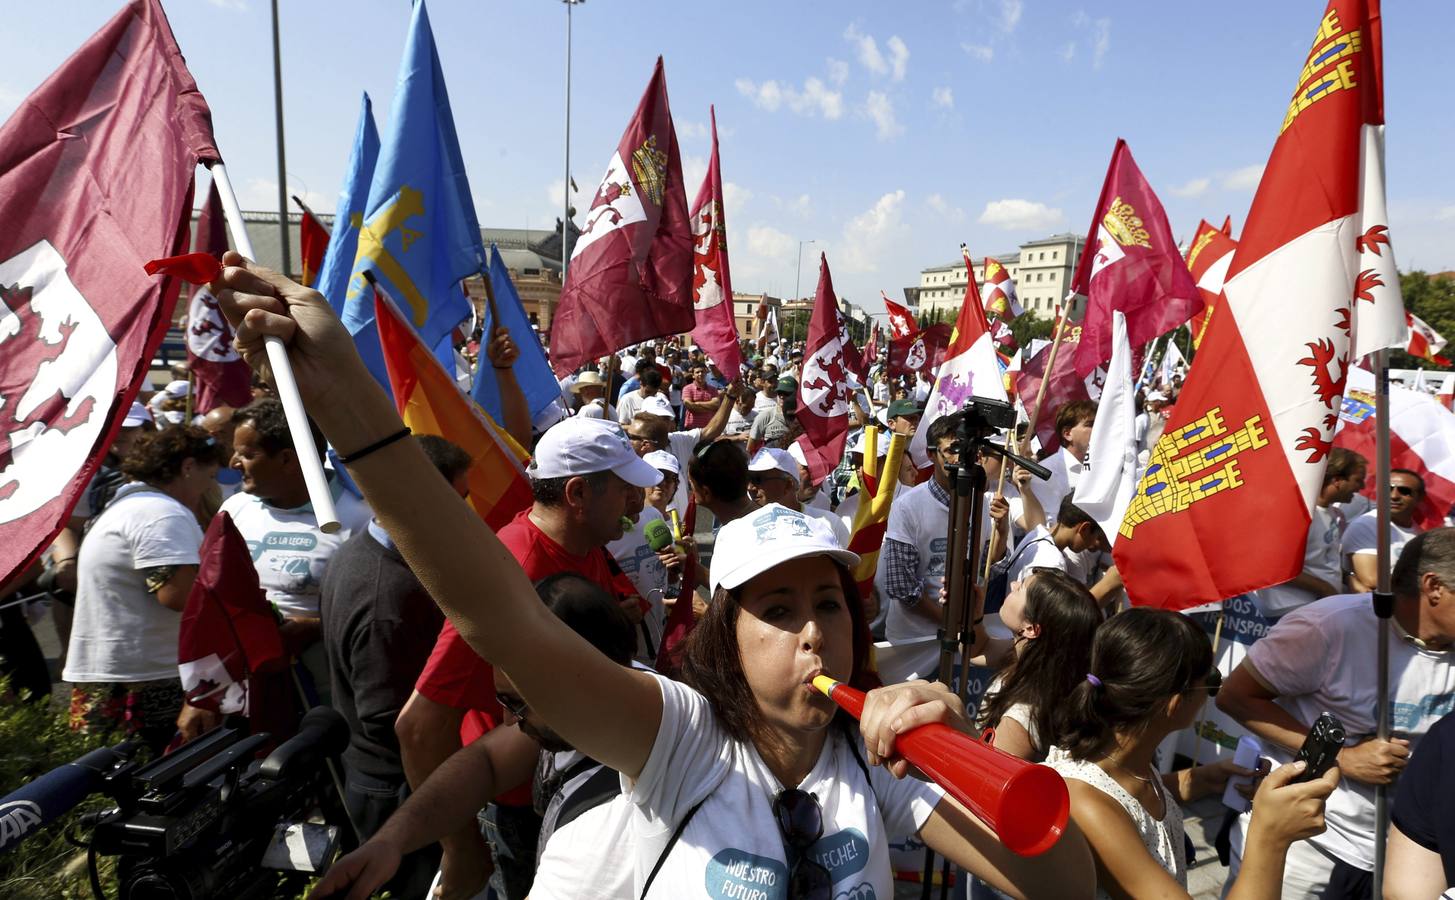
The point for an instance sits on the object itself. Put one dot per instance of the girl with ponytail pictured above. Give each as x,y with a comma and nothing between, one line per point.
1151,671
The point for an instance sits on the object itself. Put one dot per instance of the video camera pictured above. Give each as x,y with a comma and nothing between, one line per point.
207,821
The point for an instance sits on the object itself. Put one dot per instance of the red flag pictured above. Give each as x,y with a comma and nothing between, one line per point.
222,377
823,389
228,631
1421,439
712,285
1065,386
313,240
630,276
853,358
998,291
871,349
901,321
922,351
1208,259
1425,342
1248,439
1136,267
96,171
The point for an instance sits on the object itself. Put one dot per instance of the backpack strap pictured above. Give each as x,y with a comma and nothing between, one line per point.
672,842
603,785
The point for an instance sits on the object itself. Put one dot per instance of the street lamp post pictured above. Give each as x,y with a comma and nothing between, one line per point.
282,163
566,185
798,272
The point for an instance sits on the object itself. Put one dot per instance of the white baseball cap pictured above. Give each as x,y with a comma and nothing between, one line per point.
881,446
178,388
749,546
581,446
771,459
663,461
136,416
795,450
657,405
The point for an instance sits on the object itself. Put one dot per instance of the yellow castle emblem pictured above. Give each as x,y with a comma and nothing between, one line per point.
649,169
1194,462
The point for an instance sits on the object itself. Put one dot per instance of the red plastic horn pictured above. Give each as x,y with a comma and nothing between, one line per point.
1025,804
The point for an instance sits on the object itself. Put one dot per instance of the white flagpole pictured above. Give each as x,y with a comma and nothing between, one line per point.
1383,597
308,459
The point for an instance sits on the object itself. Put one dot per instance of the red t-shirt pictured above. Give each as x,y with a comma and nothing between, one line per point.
697,395
456,675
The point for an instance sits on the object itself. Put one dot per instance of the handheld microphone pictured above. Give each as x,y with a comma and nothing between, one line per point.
659,538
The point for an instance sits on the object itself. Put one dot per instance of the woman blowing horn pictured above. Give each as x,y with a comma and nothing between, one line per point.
745,781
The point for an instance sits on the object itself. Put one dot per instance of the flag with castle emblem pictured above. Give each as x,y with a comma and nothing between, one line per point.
1311,287
1135,267
712,284
221,376
630,276
997,291
823,387
96,178
1208,259
970,369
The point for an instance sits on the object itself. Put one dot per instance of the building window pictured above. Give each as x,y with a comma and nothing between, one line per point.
1054,254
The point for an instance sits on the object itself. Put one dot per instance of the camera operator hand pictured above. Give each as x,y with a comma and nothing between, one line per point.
1373,761
360,873
1284,812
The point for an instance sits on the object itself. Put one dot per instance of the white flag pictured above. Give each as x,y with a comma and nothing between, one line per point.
1106,489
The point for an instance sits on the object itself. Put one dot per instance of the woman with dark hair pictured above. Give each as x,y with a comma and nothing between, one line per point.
133,575
1052,619
1151,671
746,779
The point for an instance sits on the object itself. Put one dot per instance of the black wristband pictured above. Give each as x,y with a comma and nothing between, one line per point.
377,445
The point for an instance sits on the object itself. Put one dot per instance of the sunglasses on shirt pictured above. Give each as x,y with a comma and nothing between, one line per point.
800,822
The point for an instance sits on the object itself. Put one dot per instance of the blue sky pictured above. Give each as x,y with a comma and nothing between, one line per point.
888,133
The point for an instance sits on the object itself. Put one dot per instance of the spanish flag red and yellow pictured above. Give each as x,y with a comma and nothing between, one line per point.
872,517
430,403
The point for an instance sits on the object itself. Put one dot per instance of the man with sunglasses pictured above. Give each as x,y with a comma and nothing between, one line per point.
1361,538
1323,657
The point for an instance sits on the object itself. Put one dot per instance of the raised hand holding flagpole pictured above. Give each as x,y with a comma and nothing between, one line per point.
287,386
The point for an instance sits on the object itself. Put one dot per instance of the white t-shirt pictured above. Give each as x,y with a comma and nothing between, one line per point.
917,518
289,551
1320,558
120,632
628,406
597,409
738,423
646,571
732,847
761,402
1038,551
1362,536
1324,657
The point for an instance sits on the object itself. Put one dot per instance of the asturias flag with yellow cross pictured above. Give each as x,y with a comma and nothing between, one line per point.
420,236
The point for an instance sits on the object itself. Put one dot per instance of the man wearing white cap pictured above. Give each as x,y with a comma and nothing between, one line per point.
651,429
809,494
647,568
773,477
590,392
849,506
585,478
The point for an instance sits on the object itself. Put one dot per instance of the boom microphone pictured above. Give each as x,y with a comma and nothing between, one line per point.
57,792
1025,804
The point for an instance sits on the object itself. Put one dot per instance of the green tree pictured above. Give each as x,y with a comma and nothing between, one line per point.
1029,326
1432,298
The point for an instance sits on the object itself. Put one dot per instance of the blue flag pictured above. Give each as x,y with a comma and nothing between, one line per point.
532,370
338,262
420,235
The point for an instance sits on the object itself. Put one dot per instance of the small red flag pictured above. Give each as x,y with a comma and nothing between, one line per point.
630,276
221,376
1135,267
228,631
712,284
922,351
823,388
313,240
96,178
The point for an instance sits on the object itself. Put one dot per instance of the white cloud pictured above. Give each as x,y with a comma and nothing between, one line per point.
694,169
734,197
815,98
943,97
1098,36
868,235
867,49
1010,14
1194,188
941,206
898,56
1020,215
770,243
1244,179
979,52
880,108
873,59
838,70
694,130
1068,52
801,206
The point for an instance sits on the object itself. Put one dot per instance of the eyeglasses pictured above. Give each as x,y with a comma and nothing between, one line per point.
516,706
947,452
640,438
800,822
1213,683
1403,490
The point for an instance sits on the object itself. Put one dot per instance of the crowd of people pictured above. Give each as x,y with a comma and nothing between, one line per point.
523,721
